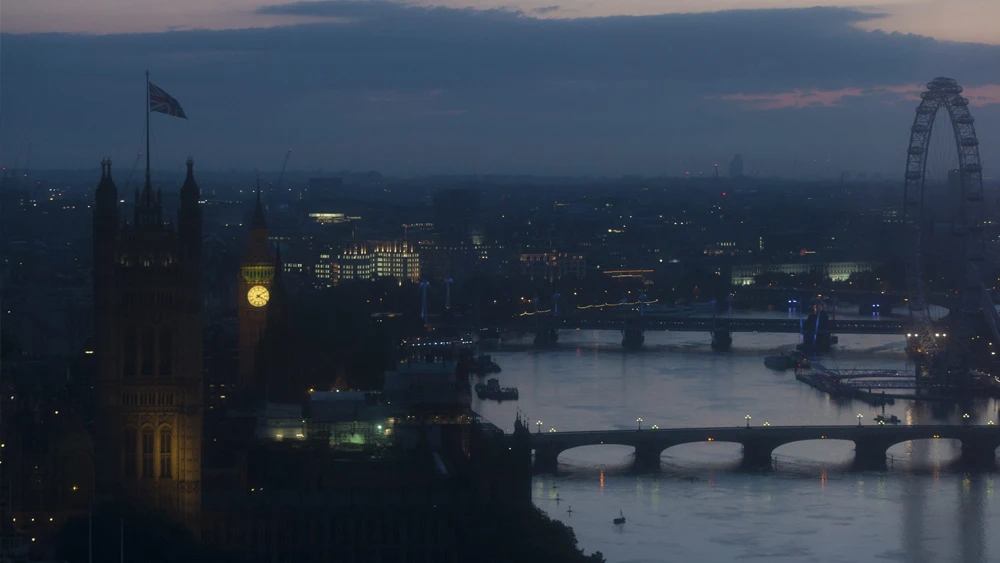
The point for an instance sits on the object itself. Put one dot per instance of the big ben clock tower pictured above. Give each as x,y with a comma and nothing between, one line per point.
255,284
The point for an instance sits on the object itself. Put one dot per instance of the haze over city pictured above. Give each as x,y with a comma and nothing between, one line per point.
503,281
573,89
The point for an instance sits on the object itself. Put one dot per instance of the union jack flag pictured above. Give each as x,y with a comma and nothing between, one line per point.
162,102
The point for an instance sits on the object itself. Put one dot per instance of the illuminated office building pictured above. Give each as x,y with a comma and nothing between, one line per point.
368,260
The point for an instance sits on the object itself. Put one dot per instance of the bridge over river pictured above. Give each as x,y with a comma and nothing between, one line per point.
979,442
701,324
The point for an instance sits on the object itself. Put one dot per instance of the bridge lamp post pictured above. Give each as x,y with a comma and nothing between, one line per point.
860,416
656,427
748,420
965,418
638,421
539,425
989,423
767,423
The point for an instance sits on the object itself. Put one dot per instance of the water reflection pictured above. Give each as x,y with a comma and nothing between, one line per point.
971,519
701,507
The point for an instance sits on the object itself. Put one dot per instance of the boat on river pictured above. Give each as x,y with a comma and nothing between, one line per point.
786,361
492,390
621,518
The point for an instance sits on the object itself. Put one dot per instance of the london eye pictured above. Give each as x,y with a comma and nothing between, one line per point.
970,302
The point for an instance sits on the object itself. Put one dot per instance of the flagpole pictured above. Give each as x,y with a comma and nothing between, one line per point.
147,128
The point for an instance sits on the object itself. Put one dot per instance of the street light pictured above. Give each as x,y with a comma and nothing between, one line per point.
965,418
990,423
748,420
552,429
860,416
539,424
638,421
656,427
767,423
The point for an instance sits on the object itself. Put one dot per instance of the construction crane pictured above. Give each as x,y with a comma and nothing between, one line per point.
281,177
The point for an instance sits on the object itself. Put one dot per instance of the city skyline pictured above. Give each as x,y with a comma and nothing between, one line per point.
413,91
406,280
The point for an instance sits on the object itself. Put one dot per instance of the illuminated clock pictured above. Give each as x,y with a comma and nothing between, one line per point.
258,296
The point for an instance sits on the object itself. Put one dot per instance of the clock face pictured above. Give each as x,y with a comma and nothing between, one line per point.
258,296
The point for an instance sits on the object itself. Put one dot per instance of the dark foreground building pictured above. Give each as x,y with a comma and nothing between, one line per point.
306,502
148,348
405,474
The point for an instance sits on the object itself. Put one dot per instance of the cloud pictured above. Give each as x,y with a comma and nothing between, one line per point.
978,96
794,99
934,18
410,89
543,10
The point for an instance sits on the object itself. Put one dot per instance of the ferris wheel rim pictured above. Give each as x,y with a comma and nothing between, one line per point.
942,93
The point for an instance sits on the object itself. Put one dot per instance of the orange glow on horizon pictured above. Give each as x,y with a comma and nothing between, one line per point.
977,95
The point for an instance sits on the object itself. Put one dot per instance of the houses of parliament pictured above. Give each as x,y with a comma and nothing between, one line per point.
148,346
151,445
148,339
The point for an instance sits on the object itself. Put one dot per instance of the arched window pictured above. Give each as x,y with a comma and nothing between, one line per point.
131,455
166,447
147,452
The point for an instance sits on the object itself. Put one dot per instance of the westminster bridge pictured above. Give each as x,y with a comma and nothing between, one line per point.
871,442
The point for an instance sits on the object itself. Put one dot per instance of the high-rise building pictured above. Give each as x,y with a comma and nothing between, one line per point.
255,286
392,259
551,266
148,347
352,265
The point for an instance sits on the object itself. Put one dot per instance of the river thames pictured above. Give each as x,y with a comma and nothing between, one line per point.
700,506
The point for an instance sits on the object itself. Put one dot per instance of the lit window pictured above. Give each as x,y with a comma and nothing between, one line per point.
147,452
165,450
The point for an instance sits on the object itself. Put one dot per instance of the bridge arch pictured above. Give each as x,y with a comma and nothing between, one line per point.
822,451
608,452
925,452
704,453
